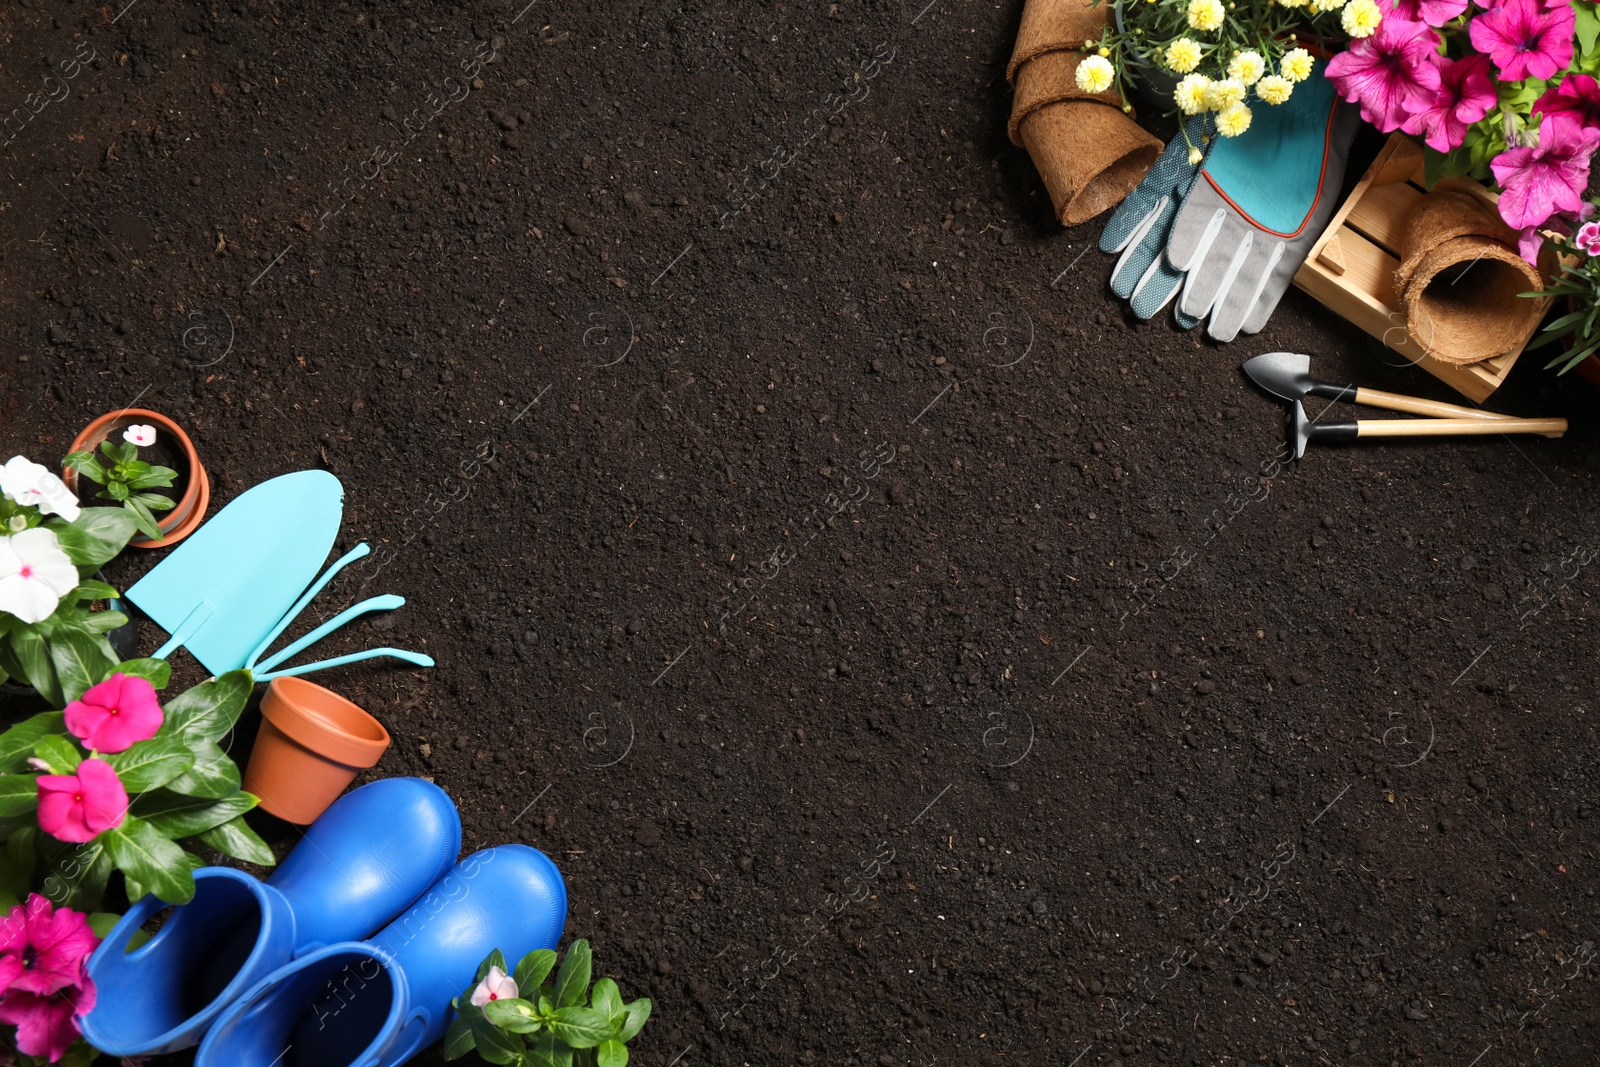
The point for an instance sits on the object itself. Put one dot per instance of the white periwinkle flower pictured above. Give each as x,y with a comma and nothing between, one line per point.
33,485
34,574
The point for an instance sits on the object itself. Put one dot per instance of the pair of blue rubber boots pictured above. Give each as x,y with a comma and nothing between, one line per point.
275,974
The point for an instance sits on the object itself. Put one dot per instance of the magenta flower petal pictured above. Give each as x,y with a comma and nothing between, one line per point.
1433,12
119,712
1550,178
48,946
1466,93
45,1025
1578,96
78,807
1525,39
1391,74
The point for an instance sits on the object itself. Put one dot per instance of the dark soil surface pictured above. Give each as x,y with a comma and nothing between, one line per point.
933,784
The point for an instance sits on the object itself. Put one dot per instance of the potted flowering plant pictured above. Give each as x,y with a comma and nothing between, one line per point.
1207,56
127,478
1579,283
1502,91
529,1019
50,549
67,822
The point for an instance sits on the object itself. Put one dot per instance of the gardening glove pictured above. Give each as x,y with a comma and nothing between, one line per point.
1142,225
1263,200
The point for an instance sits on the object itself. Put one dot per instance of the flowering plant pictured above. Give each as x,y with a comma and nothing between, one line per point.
1579,282
50,549
1499,90
119,781
1221,56
126,476
567,1023
42,983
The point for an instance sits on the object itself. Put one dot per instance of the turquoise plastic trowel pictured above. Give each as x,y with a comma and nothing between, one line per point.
231,588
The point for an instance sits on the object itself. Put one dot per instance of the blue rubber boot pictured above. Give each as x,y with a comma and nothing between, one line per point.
377,1003
370,856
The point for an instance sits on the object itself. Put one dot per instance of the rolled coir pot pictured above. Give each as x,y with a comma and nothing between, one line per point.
1459,278
1089,152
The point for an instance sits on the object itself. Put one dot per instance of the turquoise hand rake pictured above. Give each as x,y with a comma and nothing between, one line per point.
230,589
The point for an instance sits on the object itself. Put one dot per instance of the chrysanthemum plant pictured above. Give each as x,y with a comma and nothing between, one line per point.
1223,57
528,1019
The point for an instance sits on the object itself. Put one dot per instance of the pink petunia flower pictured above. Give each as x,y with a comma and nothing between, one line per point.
1525,39
1551,178
1587,239
42,948
119,712
1578,95
45,1025
496,985
1433,12
1466,93
1391,74
77,807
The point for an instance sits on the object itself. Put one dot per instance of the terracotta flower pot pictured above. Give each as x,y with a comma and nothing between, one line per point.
188,512
311,744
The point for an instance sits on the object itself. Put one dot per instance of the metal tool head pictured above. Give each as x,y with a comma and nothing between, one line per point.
1300,427
1286,375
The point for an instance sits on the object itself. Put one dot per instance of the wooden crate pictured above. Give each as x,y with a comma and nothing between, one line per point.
1351,267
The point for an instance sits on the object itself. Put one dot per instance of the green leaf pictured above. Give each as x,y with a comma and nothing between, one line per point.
101,922
236,839
94,537
103,622
79,661
518,1016
93,589
612,1053
158,672
550,1051
76,876
16,744
33,655
606,998
581,1027
85,464
1587,27
533,968
458,1039
572,981
638,1015
19,794
159,866
154,501
153,478
141,515
212,775
178,816
20,859
151,763
495,1045
62,755
493,959
209,709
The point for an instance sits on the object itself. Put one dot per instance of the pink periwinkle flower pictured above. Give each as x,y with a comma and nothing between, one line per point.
1578,95
1433,12
119,712
1525,38
42,948
1466,93
79,807
496,985
1391,74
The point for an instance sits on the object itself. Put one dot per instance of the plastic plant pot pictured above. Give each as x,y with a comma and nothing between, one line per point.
189,511
311,745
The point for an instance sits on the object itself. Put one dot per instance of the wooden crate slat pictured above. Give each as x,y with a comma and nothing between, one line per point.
1381,214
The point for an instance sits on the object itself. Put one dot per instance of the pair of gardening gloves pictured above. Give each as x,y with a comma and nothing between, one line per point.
1225,235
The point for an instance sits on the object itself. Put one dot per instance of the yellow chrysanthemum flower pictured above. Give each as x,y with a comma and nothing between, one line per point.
1274,89
1296,65
1205,15
1221,95
1361,18
1247,67
1233,120
1095,74
1183,55
1191,93
1195,155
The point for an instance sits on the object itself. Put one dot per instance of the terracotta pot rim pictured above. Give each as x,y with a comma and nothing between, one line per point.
188,512
319,719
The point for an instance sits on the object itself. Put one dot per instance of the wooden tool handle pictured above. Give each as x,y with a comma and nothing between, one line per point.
1449,427
1415,405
